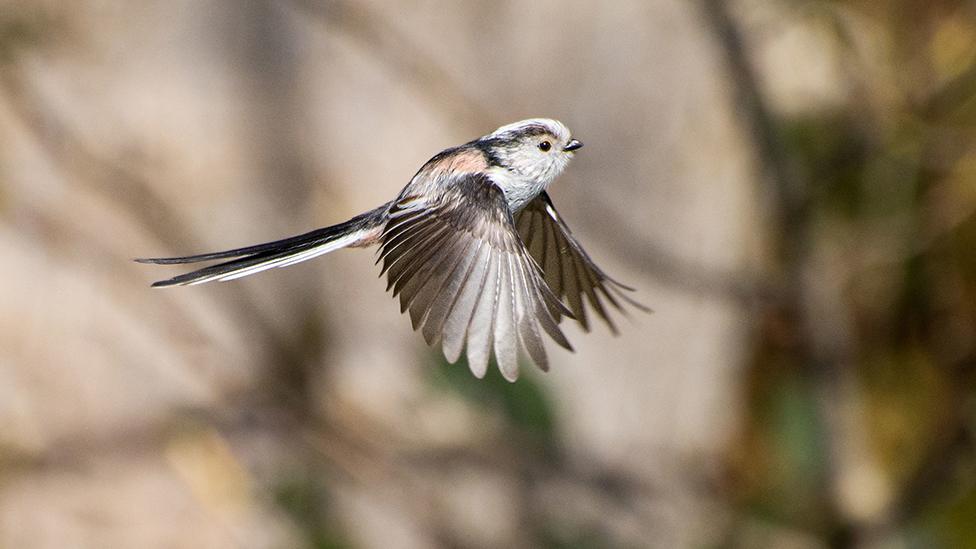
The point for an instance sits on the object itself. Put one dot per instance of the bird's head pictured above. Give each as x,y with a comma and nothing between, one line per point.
535,150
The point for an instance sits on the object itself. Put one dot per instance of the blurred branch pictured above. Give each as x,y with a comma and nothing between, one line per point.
128,189
270,72
824,349
398,53
677,274
937,473
785,184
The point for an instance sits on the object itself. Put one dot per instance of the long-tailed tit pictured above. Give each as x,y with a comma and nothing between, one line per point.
472,246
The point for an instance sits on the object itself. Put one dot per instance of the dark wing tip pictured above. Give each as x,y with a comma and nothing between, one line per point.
621,285
176,260
631,301
160,261
164,284
641,307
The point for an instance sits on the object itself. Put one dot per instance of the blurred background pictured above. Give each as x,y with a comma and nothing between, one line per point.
790,185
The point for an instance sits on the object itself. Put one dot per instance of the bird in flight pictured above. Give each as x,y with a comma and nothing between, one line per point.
472,246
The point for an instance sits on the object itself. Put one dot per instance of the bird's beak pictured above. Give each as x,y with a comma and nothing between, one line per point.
572,145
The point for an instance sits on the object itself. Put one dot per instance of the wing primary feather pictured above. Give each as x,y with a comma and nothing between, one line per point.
572,290
413,284
550,321
407,249
399,228
526,307
394,249
532,239
568,270
604,289
404,271
419,261
450,291
588,285
522,222
482,323
439,287
506,340
553,265
401,240
415,259
633,303
456,326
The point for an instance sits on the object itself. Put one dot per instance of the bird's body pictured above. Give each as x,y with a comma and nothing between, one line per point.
472,246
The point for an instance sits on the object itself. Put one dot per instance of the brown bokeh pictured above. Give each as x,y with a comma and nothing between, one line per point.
791,186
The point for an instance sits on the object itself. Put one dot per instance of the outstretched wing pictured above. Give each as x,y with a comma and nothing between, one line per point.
568,269
458,265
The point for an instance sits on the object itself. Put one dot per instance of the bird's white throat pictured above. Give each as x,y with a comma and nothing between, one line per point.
519,190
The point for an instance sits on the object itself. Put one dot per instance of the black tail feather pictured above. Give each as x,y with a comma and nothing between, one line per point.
277,245
251,259
230,266
322,235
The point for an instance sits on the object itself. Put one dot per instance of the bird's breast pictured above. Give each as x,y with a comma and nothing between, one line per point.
518,191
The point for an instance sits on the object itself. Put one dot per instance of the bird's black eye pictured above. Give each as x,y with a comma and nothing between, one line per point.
545,146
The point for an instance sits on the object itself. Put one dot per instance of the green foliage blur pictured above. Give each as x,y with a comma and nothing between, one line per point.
891,193
525,405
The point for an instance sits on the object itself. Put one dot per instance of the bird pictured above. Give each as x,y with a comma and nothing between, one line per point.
472,246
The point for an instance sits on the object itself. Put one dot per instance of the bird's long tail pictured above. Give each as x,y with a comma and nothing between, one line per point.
361,230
